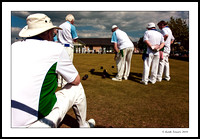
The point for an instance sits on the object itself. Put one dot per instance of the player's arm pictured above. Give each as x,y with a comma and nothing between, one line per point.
74,33
74,40
114,41
172,40
165,37
66,68
148,43
77,80
116,48
161,46
162,43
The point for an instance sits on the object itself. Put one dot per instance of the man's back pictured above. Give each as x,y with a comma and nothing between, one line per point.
154,37
123,39
67,34
34,79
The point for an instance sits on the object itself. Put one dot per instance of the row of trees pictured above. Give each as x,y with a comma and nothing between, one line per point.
180,31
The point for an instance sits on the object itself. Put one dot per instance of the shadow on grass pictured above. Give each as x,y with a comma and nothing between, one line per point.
70,121
136,77
103,74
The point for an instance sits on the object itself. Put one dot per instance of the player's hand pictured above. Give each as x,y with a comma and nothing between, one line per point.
115,58
116,55
153,47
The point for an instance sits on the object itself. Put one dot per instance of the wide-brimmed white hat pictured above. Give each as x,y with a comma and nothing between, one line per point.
36,24
151,25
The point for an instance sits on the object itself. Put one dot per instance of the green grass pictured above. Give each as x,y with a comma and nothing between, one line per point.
129,104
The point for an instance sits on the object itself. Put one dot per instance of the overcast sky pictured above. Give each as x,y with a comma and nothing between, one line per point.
97,24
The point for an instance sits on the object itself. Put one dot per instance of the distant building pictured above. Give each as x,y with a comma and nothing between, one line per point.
96,45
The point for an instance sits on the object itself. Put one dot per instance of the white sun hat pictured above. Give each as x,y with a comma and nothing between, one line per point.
151,25
36,24
114,26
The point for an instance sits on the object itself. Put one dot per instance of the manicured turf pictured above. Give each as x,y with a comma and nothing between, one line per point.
129,104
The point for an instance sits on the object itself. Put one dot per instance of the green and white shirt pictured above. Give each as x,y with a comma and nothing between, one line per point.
35,64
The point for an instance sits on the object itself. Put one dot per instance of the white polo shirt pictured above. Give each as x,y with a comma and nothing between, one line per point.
167,31
122,39
155,38
35,64
67,34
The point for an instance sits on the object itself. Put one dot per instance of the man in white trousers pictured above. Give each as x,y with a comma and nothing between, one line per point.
123,48
154,41
37,60
67,36
164,62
